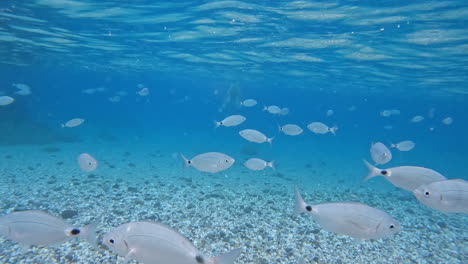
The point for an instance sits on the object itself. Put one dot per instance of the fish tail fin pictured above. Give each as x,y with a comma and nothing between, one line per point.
270,140
226,258
217,123
186,161
89,232
300,205
333,130
264,108
393,145
373,171
62,125
271,164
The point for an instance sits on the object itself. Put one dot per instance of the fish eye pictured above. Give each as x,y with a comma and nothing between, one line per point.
309,208
111,241
199,259
426,193
227,160
75,231
392,226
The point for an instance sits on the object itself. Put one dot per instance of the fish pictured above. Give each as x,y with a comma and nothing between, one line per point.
272,109
405,177
73,122
88,91
210,162
447,121
248,103
38,228
233,120
380,153
6,100
254,136
386,113
321,128
23,89
143,92
155,243
352,219
114,99
257,164
417,119
291,129
406,145
329,112
86,162
448,196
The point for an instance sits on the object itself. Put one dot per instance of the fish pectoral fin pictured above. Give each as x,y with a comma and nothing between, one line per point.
130,254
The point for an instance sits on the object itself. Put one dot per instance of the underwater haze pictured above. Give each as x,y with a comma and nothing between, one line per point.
138,86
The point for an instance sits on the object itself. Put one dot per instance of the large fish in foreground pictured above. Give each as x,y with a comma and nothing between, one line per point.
449,196
210,162
405,177
352,219
38,228
155,243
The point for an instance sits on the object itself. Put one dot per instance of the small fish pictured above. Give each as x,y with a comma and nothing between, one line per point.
449,196
73,122
154,243
23,89
417,119
380,153
210,162
233,120
321,128
291,129
329,112
258,164
89,91
255,136
38,228
352,108
248,103
352,219
406,145
143,92
114,99
272,109
86,162
386,113
6,100
405,177
447,121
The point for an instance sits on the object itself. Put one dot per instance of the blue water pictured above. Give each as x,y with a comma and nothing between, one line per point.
199,60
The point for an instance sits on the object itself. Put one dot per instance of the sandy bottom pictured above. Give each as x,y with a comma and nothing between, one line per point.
233,209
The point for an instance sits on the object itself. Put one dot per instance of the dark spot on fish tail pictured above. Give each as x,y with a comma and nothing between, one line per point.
199,259
189,162
308,208
75,231
384,172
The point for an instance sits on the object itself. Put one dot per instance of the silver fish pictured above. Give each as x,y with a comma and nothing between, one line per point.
248,103
258,164
254,136
406,145
272,109
210,162
449,196
38,228
73,122
405,177
86,162
380,153
155,243
352,219
291,129
321,128
6,100
233,120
